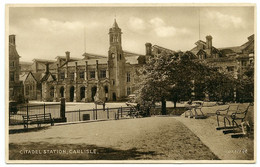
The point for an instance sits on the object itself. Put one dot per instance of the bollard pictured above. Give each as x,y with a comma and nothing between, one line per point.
62,109
93,114
96,114
107,113
44,111
79,114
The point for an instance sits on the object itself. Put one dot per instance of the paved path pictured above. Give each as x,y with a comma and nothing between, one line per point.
223,146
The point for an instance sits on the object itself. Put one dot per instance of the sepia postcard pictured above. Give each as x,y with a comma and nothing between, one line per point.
130,83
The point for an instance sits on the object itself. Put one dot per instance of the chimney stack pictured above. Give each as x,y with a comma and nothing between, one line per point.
47,68
208,42
67,56
12,39
148,48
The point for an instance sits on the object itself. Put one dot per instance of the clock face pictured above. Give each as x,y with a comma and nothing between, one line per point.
113,55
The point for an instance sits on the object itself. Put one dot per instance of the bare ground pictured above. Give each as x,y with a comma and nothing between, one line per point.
155,138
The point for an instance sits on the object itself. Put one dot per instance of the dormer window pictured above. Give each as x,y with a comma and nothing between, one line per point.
62,75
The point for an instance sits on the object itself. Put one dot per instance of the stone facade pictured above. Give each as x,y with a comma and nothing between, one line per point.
111,78
15,85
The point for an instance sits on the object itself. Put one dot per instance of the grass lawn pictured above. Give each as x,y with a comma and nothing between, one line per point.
155,138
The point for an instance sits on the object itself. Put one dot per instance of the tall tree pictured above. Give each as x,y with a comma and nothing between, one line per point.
155,84
175,76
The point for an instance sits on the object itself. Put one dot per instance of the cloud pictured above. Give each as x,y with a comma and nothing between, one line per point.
157,22
161,29
57,26
165,31
225,20
136,23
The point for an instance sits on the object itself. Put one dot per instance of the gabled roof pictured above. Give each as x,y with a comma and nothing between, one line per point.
228,50
36,76
250,42
46,77
128,53
43,60
131,57
164,49
200,42
238,49
196,49
64,58
23,77
200,51
92,56
25,63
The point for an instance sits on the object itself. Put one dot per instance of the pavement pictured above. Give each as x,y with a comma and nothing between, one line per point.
222,145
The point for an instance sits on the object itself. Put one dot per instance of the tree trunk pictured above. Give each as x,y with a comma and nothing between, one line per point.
164,107
174,102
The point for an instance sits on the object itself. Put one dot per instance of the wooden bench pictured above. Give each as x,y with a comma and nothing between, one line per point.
130,112
37,119
238,122
197,108
198,112
234,118
224,113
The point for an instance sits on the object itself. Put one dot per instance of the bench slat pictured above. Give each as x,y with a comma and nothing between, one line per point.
37,119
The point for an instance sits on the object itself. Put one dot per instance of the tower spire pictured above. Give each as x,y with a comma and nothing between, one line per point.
115,25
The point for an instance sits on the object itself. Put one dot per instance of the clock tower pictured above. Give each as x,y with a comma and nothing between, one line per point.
116,64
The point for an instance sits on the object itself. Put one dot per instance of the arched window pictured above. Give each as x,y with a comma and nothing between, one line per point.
106,89
82,93
93,92
72,93
114,96
52,91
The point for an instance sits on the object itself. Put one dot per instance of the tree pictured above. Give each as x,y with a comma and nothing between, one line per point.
220,86
175,76
155,84
245,85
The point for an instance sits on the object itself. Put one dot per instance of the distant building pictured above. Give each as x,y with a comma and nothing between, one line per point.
113,77
15,85
232,60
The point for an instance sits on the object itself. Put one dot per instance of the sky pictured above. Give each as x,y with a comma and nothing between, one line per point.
47,32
